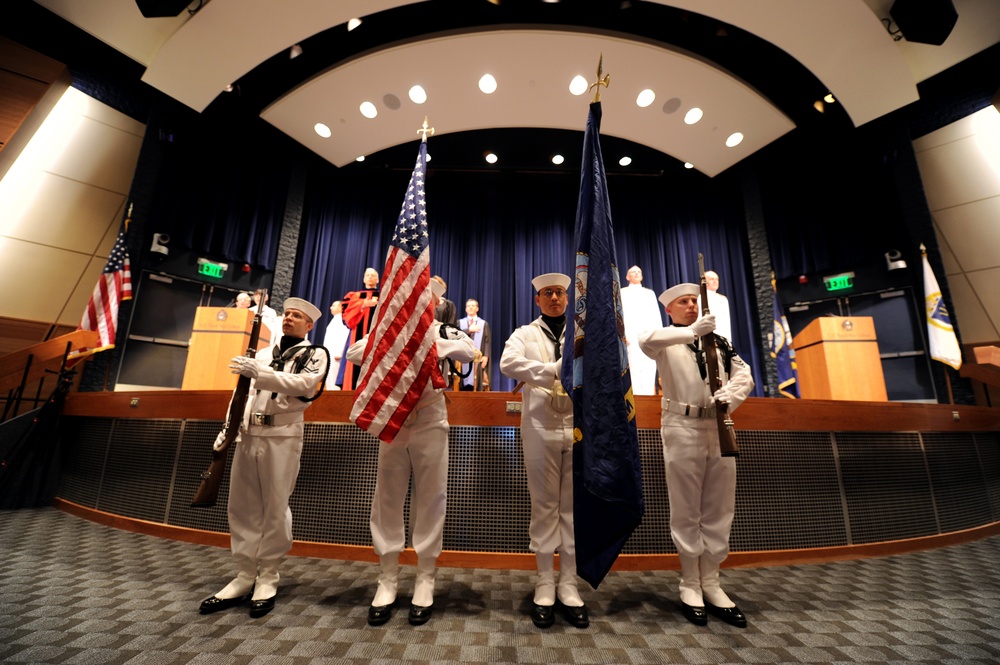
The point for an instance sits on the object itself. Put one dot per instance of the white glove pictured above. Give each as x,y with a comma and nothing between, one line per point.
704,325
219,440
222,437
722,396
243,365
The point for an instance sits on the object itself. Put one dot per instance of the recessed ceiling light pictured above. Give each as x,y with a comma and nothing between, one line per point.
418,95
625,161
229,88
491,158
688,165
488,84
578,85
322,130
368,110
353,23
819,106
558,159
693,116
428,157
645,98
294,52
359,158
734,139
829,98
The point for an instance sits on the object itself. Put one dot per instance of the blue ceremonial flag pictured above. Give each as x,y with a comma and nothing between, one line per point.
607,471
783,353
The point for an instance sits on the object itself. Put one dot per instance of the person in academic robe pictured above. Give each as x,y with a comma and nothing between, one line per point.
359,313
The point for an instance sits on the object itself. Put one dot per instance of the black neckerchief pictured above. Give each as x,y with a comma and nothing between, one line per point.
283,352
699,354
555,324
279,352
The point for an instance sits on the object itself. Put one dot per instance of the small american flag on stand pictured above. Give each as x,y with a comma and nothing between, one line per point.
113,286
400,356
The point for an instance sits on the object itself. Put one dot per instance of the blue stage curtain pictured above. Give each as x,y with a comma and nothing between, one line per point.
836,211
223,196
493,232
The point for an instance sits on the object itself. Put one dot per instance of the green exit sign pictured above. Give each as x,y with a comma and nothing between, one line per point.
839,282
212,268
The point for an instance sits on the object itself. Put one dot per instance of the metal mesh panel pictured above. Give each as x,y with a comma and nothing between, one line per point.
653,534
194,457
886,485
960,493
488,504
988,445
139,468
333,494
85,446
787,492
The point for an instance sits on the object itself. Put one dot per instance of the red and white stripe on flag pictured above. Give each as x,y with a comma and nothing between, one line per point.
113,286
400,355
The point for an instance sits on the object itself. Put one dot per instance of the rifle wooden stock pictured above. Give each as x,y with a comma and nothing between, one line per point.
728,445
211,480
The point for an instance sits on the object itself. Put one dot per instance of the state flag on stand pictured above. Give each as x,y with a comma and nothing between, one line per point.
401,356
607,471
941,336
113,287
783,353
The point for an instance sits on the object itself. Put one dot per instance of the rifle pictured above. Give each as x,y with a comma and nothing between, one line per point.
211,480
727,435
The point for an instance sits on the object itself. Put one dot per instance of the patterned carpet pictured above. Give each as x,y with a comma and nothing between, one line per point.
76,592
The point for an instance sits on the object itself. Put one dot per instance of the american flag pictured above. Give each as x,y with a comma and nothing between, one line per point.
114,286
400,356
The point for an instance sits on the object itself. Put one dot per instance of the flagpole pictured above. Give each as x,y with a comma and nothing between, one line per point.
947,375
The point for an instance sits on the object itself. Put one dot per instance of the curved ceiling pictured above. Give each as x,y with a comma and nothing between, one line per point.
754,67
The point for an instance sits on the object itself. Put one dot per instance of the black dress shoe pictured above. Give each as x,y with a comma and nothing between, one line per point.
261,607
214,604
379,614
543,616
420,615
730,615
695,615
576,616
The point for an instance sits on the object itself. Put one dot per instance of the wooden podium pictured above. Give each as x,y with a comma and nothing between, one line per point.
219,334
838,358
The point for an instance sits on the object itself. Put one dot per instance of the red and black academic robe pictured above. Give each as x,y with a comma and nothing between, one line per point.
358,319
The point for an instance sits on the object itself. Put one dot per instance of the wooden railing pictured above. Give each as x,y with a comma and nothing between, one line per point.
34,363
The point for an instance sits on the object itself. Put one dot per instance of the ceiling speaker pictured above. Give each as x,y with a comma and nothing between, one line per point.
924,21
163,8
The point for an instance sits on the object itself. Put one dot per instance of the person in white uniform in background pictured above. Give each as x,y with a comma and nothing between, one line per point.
421,448
270,317
532,355
701,484
266,462
641,313
335,340
718,304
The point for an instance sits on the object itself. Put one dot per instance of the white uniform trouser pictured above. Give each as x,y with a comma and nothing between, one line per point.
701,486
548,461
421,446
263,477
